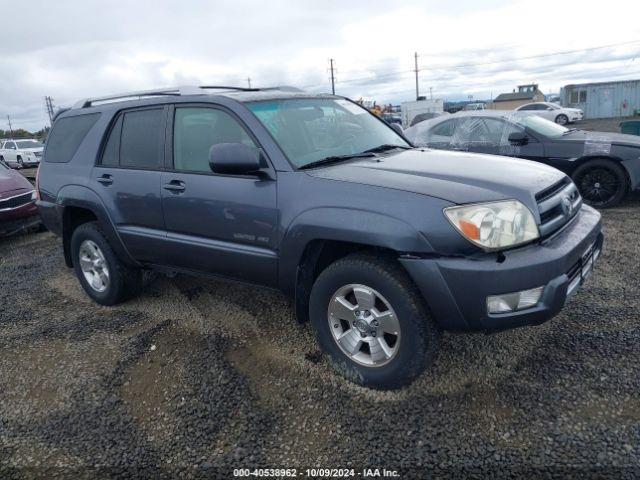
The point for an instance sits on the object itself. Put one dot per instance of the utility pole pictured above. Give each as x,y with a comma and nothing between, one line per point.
10,128
49,103
249,81
333,79
415,59
431,93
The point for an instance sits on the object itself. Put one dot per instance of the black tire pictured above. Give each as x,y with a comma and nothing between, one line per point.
124,282
602,183
562,119
420,337
20,164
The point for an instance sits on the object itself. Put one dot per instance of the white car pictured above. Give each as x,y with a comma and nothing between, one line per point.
21,153
553,112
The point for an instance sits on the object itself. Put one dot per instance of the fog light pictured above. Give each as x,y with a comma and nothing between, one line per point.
512,302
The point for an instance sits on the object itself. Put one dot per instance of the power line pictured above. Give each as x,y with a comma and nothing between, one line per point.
466,65
543,55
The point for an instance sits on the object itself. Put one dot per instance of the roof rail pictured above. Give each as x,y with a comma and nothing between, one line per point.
177,91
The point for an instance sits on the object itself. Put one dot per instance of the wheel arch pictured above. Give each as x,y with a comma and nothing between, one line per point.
81,205
632,176
321,236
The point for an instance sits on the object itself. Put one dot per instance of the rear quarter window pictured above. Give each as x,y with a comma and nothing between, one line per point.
66,137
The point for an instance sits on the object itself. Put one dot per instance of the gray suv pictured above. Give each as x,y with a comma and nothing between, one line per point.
380,245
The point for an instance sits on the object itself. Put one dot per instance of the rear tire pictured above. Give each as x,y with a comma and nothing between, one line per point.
562,119
602,183
93,259
378,358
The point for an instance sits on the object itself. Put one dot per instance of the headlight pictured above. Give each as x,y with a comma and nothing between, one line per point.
494,225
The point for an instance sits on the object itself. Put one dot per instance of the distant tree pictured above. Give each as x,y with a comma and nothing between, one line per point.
17,133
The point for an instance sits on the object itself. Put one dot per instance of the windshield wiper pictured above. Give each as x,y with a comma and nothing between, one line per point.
570,130
336,159
386,146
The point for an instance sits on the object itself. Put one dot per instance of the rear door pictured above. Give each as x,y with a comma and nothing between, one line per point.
217,223
127,179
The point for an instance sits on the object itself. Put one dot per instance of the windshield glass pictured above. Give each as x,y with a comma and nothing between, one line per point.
28,144
309,130
542,126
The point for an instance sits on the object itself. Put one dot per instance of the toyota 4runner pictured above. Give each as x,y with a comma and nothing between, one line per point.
380,244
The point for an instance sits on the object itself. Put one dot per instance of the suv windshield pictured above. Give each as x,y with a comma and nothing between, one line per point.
542,126
309,130
28,144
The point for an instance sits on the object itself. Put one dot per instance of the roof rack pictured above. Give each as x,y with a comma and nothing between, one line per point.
177,91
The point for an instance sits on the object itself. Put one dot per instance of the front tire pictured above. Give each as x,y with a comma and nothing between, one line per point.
371,322
102,275
20,163
602,183
562,119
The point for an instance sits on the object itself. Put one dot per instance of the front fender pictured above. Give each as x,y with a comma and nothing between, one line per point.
345,225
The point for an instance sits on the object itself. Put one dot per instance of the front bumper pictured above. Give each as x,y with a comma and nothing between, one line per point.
456,289
19,225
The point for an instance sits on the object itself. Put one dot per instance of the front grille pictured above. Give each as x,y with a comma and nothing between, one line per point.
15,202
557,205
578,273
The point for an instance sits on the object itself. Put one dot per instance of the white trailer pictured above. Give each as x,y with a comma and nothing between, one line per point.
410,109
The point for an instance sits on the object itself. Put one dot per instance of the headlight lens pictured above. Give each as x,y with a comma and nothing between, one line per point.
494,225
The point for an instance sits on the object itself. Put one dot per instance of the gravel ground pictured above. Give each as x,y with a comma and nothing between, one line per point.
197,377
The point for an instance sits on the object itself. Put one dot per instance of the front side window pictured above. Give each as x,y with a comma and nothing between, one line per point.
308,130
196,130
10,145
141,139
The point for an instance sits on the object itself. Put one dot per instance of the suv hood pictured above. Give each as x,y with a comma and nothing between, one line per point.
458,177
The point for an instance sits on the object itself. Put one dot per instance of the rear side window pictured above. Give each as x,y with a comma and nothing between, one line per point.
141,140
445,129
136,140
67,135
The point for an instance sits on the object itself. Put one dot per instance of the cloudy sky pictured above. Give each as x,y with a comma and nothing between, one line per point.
70,49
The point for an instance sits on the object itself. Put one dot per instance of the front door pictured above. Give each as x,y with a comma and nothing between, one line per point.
217,224
127,179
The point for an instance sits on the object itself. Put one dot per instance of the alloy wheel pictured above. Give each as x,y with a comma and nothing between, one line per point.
94,266
364,325
598,185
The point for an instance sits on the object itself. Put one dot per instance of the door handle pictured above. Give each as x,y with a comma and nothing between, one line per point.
106,179
175,186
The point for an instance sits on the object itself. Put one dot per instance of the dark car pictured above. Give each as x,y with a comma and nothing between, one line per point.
379,244
604,166
18,211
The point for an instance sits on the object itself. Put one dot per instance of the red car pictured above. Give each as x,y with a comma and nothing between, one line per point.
18,211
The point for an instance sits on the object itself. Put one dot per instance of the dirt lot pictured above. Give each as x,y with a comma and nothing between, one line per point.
197,377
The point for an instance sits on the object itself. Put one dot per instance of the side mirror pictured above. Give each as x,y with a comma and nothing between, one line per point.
234,158
518,138
397,128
